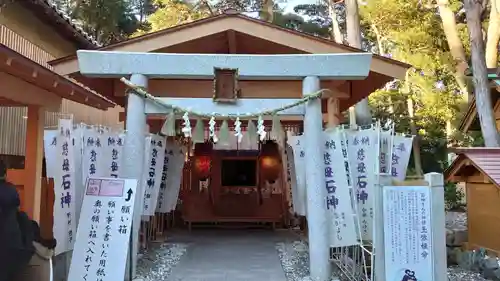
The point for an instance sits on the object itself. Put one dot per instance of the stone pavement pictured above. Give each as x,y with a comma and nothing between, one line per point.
232,255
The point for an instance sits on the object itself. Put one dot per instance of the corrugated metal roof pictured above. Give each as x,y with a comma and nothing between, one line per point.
486,159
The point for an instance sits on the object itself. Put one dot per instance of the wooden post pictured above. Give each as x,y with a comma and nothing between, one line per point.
33,161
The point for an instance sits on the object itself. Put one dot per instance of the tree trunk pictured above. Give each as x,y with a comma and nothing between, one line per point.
481,87
267,11
362,109
493,35
336,33
416,142
455,45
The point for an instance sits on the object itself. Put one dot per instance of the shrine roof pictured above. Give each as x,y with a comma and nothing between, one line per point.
18,66
483,159
226,25
471,120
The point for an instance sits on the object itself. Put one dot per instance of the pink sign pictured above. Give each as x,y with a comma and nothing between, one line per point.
93,187
112,188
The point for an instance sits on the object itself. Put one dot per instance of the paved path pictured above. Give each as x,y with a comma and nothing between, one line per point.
232,255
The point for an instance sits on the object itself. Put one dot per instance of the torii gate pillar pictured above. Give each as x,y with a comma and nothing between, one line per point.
133,167
319,251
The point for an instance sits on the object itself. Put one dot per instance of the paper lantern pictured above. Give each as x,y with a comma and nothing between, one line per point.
270,162
202,160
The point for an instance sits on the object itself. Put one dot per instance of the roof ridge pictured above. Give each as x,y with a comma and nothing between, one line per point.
72,22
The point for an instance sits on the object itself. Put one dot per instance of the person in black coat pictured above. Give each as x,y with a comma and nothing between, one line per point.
16,235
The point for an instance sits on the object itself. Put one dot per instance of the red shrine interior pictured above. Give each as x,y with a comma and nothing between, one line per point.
233,186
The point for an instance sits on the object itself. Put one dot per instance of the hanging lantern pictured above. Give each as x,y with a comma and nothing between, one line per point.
270,161
202,160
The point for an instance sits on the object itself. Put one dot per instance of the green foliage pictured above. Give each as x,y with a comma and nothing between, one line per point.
171,13
453,197
107,21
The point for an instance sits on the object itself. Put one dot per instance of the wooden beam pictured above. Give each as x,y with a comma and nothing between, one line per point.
206,106
355,66
231,41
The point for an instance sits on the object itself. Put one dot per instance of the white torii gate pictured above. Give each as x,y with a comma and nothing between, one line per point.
309,68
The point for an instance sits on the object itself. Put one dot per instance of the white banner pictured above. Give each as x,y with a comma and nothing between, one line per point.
50,152
153,173
297,145
168,162
363,158
103,234
386,138
407,233
175,176
93,164
113,154
292,179
79,182
64,188
401,152
342,229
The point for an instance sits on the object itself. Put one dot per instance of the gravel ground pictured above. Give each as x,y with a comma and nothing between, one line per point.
294,256
157,261
459,274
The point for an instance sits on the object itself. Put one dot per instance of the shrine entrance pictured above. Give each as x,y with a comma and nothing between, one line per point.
218,82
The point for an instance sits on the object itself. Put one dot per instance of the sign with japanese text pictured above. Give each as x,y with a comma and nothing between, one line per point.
93,164
386,139
79,182
401,152
168,162
363,161
342,229
102,241
297,144
173,183
292,179
64,187
50,151
113,154
407,233
153,173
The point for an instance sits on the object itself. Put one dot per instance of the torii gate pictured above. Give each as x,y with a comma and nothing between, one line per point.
309,68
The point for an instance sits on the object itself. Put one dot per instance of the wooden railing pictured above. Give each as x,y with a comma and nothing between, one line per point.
25,47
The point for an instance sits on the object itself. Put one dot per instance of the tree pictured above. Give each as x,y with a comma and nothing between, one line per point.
107,21
455,44
170,13
481,86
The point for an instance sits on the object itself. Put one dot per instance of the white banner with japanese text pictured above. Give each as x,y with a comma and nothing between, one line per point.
363,162
175,177
401,151
50,152
297,144
93,164
155,155
292,179
386,139
113,154
407,233
168,162
342,229
79,182
64,188
102,241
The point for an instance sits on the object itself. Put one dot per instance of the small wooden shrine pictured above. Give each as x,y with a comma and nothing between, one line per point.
479,168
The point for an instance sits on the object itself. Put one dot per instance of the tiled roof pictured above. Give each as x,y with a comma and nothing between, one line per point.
486,159
49,11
